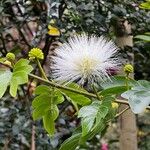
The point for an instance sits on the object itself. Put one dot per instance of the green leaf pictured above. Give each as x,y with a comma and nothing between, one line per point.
42,89
88,115
26,69
93,116
77,98
138,96
13,87
40,111
89,110
21,62
97,129
55,112
76,86
102,112
114,90
59,97
48,122
5,77
17,77
145,5
147,33
41,99
100,121
20,76
144,83
23,65
117,81
71,143
87,124
145,38
49,118
44,105
107,101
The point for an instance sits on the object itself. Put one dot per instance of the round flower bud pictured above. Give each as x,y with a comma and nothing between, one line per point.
114,105
10,56
128,68
36,53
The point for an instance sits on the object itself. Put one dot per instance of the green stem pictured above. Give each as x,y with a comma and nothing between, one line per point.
98,96
41,69
63,87
127,83
73,90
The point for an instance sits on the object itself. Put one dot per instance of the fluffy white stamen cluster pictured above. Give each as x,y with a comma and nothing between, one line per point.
84,58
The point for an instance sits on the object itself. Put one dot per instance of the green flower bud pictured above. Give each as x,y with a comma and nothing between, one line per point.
114,105
36,53
128,68
10,56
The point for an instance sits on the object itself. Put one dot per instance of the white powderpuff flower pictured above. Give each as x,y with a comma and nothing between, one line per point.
84,59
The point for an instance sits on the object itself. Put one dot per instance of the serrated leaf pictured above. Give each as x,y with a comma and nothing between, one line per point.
71,143
5,77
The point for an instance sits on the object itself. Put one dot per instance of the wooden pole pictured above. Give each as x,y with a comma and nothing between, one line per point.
127,121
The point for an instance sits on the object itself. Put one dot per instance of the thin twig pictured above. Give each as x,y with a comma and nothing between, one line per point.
120,113
98,97
41,69
33,138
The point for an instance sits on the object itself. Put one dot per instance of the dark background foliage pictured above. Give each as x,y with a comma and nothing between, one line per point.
23,25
